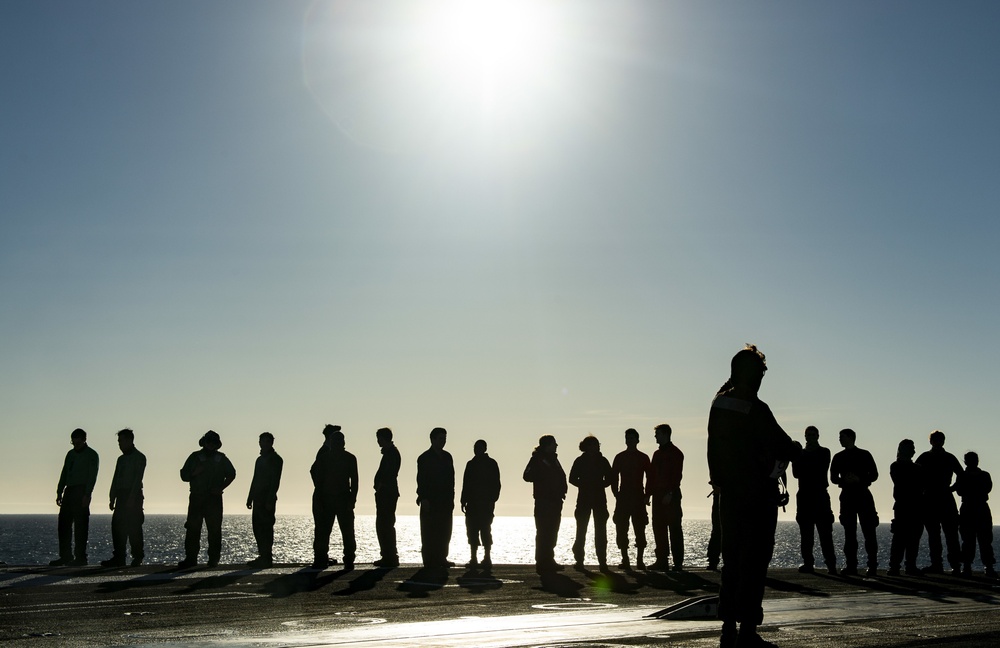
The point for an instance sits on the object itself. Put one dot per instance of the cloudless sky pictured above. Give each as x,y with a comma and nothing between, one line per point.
249,216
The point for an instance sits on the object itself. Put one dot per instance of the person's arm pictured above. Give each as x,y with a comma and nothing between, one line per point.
92,468
354,479
229,476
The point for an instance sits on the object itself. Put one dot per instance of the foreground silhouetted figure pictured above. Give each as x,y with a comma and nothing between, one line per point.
812,502
940,471
745,446
209,472
436,499
907,518
125,499
548,487
629,475
591,474
664,487
854,470
480,492
263,499
975,518
386,498
335,491
73,493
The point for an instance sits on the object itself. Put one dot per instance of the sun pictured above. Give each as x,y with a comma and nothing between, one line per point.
494,46
401,74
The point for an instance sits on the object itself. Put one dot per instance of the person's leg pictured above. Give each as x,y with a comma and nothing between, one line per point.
119,534
323,526
932,522
345,518
213,526
192,535
601,534
676,534
949,525
65,530
135,536
849,520
385,525
582,515
661,537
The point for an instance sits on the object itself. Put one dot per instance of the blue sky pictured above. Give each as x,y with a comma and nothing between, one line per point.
251,216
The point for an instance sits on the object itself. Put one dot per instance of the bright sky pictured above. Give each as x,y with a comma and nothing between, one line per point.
549,217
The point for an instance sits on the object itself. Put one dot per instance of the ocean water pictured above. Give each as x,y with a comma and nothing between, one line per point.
32,540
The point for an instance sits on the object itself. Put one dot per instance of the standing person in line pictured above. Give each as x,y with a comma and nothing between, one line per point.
591,474
335,491
436,499
209,472
854,470
745,446
125,499
907,518
975,518
73,493
812,502
263,499
629,474
664,490
548,487
386,498
940,471
480,492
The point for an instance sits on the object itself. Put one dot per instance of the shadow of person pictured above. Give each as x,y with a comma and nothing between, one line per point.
608,581
798,588
424,581
685,583
304,580
479,581
365,581
162,577
559,584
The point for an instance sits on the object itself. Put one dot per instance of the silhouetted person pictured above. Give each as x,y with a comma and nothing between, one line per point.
436,499
209,472
745,446
629,474
263,499
73,493
941,469
335,491
125,499
480,492
548,487
386,498
812,502
907,521
854,470
664,489
714,550
975,518
591,474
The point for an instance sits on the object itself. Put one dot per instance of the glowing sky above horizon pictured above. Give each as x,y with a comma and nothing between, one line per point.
551,217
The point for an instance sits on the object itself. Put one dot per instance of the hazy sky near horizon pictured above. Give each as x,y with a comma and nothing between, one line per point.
249,216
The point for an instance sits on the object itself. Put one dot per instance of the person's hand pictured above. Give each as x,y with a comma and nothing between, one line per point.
111,504
463,507
250,504
418,500
58,500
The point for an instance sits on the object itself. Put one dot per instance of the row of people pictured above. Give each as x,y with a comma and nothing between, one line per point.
922,499
635,480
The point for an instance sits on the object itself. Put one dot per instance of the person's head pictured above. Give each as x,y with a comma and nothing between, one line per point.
590,444
906,450
848,437
937,439
479,447
547,443
329,429
439,436
336,440
126,439
747,368
812,434
265,441
210,441
631,437
971,460
662,432
78,438
383,436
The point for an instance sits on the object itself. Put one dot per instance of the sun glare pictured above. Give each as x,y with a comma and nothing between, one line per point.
497,48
